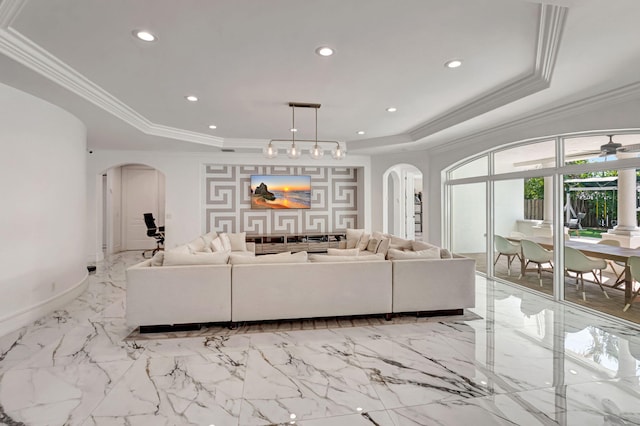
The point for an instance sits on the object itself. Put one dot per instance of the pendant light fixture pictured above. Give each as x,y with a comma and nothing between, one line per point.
294,151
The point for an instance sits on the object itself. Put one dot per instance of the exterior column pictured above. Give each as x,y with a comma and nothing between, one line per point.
545,229
627,231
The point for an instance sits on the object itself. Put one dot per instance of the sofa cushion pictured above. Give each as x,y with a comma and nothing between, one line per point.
286,257
372,246
180,249
421,245
217,245
343,252
379,235
431,253
364,241
226,241
383,247
400,243
172,258
445,254
209,237
353,237
360,258
238,241
199,246
158,259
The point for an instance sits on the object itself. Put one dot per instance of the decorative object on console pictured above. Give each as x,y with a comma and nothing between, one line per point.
294,151
280,192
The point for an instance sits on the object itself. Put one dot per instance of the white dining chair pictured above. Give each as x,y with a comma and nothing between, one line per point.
506,248
577,262
535,253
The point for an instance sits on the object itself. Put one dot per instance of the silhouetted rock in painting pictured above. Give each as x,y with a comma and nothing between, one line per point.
264,192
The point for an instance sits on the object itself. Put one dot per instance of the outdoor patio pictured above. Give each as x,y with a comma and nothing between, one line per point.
595,298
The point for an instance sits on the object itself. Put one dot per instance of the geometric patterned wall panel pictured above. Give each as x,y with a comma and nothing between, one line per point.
227,200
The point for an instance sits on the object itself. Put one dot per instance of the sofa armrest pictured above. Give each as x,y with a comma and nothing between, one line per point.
433,284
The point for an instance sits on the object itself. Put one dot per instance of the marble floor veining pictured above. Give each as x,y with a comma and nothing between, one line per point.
521,359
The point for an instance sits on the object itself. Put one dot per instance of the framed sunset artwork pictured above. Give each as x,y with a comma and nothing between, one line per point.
280,192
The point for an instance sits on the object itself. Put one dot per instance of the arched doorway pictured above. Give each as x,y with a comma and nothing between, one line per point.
402,201
129,191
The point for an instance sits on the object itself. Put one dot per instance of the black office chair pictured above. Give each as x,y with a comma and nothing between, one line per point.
154,232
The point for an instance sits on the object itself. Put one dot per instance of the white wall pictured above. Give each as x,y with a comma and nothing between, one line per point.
184,218
42,219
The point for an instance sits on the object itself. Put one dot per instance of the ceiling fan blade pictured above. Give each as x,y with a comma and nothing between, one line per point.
630,148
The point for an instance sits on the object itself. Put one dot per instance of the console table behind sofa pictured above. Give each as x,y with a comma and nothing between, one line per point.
312,242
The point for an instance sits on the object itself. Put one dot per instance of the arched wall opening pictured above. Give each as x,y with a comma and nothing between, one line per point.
402,186
127,191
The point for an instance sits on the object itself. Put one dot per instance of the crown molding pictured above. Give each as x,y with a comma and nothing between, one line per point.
9,9
22,50
566,110
550,26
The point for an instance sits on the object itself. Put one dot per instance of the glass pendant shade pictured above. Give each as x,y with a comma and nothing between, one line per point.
294,152
339,153
316,152
270,151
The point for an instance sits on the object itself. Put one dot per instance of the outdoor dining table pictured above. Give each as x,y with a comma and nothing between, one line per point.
601,251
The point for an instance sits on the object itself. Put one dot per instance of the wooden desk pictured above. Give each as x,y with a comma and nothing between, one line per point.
601,251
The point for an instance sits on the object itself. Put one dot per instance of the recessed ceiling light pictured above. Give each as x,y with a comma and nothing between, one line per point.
213,126
455,63
324,51
392,109
191,98
144,35
293,129
361,132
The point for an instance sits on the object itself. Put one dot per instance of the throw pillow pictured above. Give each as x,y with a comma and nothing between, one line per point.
372,246
180,249
445,254
400,243
198,245
157,259
395,254
383,247
217,245
226,241
364,241
209,236
342,252
379,235
420,245
353,237
238,241
177,259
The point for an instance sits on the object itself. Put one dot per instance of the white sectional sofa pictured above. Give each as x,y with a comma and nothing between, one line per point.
308,290
288,286
161,295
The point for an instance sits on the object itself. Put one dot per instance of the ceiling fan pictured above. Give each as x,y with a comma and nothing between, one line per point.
609,148
612,148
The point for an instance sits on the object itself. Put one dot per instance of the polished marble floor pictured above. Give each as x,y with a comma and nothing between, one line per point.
526,361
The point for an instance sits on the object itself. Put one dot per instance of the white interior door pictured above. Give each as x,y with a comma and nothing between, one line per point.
410,215
140,189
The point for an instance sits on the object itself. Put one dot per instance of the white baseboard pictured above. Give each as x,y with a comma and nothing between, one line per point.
28,315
